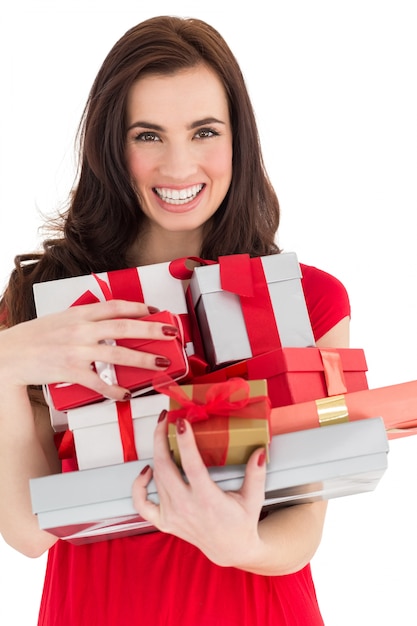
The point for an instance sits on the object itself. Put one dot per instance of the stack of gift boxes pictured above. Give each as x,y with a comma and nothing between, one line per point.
245,350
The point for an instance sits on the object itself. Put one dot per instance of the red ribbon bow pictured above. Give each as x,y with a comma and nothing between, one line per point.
224,399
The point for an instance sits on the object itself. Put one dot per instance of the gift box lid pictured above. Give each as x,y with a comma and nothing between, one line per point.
106,412
312,449
56,295
85,487
283,360
277,267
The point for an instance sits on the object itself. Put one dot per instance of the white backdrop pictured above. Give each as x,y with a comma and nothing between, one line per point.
334,89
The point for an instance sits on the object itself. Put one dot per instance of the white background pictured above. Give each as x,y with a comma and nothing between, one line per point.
334,89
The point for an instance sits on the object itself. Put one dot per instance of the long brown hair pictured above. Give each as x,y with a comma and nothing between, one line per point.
104,216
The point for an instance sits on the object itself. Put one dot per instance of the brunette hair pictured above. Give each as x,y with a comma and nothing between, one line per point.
104,216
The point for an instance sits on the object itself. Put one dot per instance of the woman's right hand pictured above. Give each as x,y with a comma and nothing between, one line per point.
61,347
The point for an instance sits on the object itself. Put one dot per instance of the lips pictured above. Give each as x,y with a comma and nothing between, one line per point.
178,196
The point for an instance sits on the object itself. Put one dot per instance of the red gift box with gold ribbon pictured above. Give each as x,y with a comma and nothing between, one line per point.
395,404
230,420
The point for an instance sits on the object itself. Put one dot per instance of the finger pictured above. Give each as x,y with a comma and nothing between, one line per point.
123,328
119,328
166,470
169,479
89,378
110,309
146,509
129,357
253,486
191,460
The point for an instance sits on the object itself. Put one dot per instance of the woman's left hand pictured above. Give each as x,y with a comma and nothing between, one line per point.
223,525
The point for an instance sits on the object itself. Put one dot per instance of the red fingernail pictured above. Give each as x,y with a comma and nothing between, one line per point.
144,470
127,396
162,361
162,415
262,458
153,309
180,425
169,331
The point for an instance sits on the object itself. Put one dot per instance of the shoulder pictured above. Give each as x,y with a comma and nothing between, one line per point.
326,297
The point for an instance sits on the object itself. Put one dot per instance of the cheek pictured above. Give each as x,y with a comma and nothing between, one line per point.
138,168
220,164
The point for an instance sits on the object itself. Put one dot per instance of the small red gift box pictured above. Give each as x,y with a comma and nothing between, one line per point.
300,374
230,420
66,396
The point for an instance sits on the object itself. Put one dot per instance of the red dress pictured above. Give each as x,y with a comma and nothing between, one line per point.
156,579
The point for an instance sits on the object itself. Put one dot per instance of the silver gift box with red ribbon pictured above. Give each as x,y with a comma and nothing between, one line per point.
305,466
249,306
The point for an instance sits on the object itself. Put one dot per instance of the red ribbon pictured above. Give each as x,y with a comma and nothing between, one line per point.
246,277
125,285
178,267
333,372
209,407
64,442
127,435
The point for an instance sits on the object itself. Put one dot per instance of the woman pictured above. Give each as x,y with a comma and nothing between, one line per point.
170,167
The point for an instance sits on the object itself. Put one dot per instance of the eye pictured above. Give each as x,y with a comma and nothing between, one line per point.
147,136
206,133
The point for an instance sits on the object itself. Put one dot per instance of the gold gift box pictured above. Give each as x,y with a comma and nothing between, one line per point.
228,440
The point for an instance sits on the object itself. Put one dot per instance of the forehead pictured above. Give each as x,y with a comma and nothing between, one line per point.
189,92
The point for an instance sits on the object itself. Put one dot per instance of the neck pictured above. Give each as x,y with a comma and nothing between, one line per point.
166,246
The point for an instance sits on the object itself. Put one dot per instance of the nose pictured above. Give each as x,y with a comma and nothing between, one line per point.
178,161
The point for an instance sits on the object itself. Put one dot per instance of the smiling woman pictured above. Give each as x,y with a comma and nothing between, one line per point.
179,155
335,105
170,166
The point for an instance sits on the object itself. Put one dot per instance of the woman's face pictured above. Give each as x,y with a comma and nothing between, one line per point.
179,147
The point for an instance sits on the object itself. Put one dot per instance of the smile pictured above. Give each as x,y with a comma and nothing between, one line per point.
178,196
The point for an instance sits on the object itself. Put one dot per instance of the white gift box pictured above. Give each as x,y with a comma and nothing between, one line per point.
305,466
221,317
96,430
158,286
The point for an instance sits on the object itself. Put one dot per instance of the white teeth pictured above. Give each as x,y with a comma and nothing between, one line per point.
178,196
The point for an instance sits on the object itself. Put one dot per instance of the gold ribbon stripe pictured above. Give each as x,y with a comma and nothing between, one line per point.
332,410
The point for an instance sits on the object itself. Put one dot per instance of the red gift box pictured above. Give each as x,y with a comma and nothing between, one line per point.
66,396
300,374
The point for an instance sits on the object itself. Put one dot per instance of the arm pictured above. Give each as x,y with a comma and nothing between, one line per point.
225,525
26,450
59,347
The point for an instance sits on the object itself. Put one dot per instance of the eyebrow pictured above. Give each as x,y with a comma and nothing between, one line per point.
196,124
